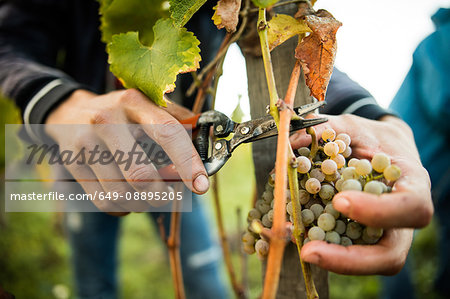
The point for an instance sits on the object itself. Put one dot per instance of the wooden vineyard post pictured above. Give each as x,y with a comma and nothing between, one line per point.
291,284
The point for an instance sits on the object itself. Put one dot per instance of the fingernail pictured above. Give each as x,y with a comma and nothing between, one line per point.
311,258
341,204
201,183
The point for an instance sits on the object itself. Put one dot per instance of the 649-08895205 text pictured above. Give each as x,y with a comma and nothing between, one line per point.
58,196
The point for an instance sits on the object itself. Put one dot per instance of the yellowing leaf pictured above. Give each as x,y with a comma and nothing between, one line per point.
264,3
283,27
226,14
317,52
183,10
154,69
121,16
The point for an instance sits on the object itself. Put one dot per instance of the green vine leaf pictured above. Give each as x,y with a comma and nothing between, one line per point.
183,10
121,16
154,69
264,3
283,27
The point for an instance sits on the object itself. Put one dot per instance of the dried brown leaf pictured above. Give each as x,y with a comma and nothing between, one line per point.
227,14
317,51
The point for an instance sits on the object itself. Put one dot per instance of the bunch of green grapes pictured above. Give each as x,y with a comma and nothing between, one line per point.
330,171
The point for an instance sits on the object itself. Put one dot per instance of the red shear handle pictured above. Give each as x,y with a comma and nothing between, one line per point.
169,173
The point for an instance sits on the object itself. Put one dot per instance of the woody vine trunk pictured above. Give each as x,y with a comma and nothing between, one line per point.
291,284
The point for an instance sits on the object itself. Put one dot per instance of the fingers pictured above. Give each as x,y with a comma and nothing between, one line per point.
88,181
134,165
387,257
172,136
113,182
396,209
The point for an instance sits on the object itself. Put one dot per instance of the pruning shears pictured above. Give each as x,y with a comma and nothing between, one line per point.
222,126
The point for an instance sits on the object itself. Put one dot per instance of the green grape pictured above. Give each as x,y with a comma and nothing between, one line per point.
380,161
332,177
326,192
304,164
348,152
248,238
304,196
342,146
303,182
353,230
385,188
304,151
270,215
331,149
328,135
253,214
374,232
338,184
307,217
289,208
349,173
262,247
345,241
317,174
267,197
291,218
392,173
288,194
326,221
332,237
373,187
340,161
305,241
351,184
252,225
331,210
249,249
363,167
325,202
271,180
352,162
340,227
269,189
312,185
316,233
368,239
262,206
344,137
328,167
317,209
265,221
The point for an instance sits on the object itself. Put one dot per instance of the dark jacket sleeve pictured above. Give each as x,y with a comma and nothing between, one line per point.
32,35
345,96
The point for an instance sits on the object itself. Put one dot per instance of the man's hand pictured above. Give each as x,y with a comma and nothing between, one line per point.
408,206
126,107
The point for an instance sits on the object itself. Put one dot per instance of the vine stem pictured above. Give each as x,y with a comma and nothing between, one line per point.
278,231
173,245
299,228
238,290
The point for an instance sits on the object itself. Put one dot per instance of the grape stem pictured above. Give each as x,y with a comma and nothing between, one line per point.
173,246
299,228
237,287
314,142
278,231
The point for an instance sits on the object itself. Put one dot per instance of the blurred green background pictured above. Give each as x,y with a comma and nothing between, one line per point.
35,256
